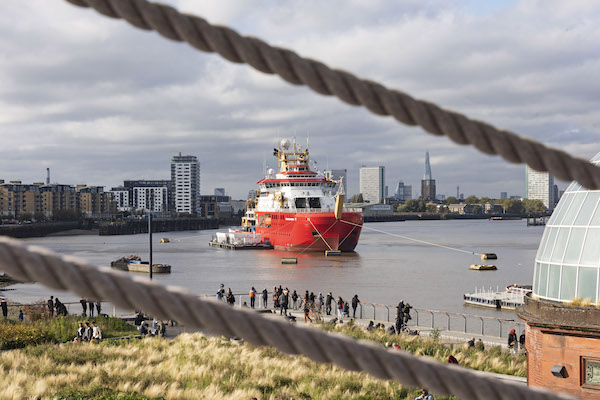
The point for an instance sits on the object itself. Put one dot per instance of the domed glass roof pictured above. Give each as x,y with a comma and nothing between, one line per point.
567,264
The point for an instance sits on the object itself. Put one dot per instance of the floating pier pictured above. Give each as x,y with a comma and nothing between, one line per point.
240,246
491,299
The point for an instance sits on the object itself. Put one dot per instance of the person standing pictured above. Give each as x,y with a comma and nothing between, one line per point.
294,300
4,306
328,301
306,312
321,301
80,332
522,341
83,306
51,306
21,315
355,302
283,304
87,332
275,297
98,307
399,320
91,307
340,308
252,295
265,296
96,332
221,292
513,345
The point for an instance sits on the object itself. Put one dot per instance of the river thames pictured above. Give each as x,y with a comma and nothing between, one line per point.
383,269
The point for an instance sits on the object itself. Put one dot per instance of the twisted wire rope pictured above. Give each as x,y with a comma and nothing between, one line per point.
37,264
378,99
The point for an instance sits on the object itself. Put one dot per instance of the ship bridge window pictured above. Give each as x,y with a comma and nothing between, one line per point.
300,202
314,202
264,220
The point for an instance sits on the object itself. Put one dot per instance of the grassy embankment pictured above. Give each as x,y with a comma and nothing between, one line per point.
193,366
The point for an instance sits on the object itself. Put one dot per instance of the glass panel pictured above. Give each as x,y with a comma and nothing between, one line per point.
574,209
553,281
549,244
571,186
595,220
561,243
567,282
542,246
543,280
588,278
559,212
536,278
591,248
587,209
574,246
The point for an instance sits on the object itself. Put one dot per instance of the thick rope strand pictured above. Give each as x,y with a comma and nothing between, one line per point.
378,99
36,264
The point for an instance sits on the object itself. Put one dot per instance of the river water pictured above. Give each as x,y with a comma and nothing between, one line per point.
383,269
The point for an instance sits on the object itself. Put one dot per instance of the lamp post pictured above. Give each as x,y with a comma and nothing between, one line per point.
150,236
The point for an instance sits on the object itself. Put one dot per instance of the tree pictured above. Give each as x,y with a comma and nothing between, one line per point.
472,199
485,200
513,206
532,206
477,209
357,198
413,205
431,207
451,200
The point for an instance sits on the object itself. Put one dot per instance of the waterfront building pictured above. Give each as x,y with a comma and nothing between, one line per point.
93,201
219,191
185,175
209,205
563,325
403,192
504,195
17,198
150,199
428,183
121,198
336,175
372,184
130,185
56,197
540,186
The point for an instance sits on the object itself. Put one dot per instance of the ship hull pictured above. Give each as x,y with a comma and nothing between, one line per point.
317,231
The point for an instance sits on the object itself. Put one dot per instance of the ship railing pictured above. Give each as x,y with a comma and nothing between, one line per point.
442,320
310,210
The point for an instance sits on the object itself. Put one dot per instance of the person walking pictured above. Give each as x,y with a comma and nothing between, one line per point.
321,302
513,345
328,301
87,332
265,296
294,300
4,306
51,306
399,320
221,292
80,332
355,302
306,311
312,297
252,295
83,306
340,308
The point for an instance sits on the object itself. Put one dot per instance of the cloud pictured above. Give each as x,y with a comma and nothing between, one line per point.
100,101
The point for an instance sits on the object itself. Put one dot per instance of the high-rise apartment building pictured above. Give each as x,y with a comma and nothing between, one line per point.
150,198
372,184
336,175
185,174
540,186
403,192
428,183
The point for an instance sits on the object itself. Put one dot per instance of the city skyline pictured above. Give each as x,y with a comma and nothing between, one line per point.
105,102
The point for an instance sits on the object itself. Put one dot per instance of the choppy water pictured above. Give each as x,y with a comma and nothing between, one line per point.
383,269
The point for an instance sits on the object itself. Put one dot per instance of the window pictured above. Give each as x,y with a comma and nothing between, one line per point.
588,278
590,373
567,282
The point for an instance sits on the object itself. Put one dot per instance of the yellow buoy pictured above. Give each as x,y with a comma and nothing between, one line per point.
165,240
289,260
489,256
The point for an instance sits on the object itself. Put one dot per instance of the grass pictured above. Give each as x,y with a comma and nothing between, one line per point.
191,366
492,359
14,335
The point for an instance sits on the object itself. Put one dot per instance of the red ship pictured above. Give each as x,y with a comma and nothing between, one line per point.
301,210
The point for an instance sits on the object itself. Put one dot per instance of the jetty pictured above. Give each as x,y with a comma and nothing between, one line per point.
494,299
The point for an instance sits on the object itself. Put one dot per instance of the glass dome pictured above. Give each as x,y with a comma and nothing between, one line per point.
567,263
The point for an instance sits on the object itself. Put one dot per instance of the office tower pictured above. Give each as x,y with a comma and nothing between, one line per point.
540,186
403,192
336,175
185,174
372,184
428,183
503,195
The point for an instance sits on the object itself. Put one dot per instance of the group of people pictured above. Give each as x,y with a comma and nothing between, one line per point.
159,328
90,303
88,333
402,316
514,344
55,307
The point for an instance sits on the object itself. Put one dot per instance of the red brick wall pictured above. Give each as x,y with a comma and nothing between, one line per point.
547,348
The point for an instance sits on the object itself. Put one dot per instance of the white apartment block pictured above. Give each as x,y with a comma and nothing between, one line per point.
372,184
540,186
336,175
185,174
150,198
121,199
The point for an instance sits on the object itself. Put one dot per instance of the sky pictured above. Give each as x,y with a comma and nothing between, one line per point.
99,101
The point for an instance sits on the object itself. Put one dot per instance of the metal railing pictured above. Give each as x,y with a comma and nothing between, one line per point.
443,320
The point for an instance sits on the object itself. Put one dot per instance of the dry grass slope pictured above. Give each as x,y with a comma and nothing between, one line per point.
191,366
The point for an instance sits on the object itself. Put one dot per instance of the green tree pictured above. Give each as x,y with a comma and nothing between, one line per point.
513,206
357,198
484,200
472,199
477,209
532,206
431,207
451,200
413,205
